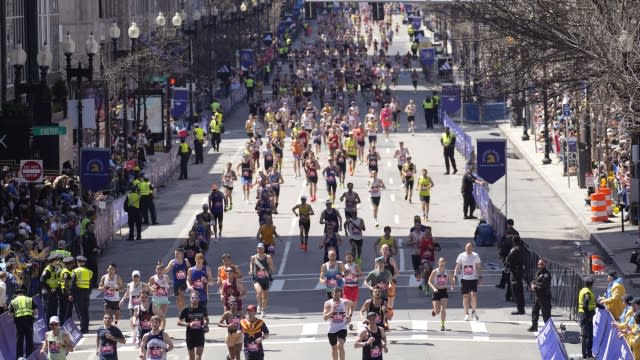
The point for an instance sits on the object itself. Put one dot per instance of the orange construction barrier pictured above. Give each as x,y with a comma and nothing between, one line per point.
597,265
607,198
599,208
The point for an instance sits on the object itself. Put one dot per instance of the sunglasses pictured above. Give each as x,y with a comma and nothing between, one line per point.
136,276
54,324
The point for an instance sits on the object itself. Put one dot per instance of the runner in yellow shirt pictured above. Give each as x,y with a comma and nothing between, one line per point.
424,191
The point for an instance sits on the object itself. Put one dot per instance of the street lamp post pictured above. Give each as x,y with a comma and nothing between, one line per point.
626,42
179,20
547,145
68,48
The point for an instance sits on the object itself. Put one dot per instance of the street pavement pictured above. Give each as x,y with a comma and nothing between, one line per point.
294,311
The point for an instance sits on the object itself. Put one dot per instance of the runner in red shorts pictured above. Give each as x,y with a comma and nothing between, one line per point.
351,275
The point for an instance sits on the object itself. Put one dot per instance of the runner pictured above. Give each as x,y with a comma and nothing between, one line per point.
351,201
199,278
341,163
316,137
373,157
264,206
304,220
159,285
331,240
469,265
254,331
332,273
260,268
338,312
57,342
142,315
222,273
297,149
438,281
408,170
372,128
191,248
386,120
352,273
351,149
178,267
196,320
202,228
379,277
107,338
267,235
401,154
110,285
415,236
375,186
330,173
231,320
331,217
333,141
377,305
311,167
155,344
134,290
391,265
218,205
275,180
410,110
386,239
232,289
246,177
372,340
427,251
267,156
358,134
424,191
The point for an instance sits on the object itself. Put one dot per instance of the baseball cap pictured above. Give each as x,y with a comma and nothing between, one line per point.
328,202
371,314
613,274
303,197
54,320
636,301
628,299
260,246
135,272
214,186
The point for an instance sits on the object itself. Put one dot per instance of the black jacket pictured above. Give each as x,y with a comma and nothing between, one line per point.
515,260
542,281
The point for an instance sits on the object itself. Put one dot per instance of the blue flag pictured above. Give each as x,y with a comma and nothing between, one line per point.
95,174
451,99
549,343
427,56
247,58
492,159
179,102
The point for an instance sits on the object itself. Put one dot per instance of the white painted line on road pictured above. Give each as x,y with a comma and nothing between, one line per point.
413,283
285,255
400,255
396,219
308,332
421,326
320,286
389,163
478,327
388,150
393,197
277,285
391,181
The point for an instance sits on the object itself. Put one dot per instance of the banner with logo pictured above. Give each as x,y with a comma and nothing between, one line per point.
428,56
8,338
492,159
267,38
416,22
451,98
247,58
72,329
617,347
154,113
179,101
607,344
549,343
601,325
95,174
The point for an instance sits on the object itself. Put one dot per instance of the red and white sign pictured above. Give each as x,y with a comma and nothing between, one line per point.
31,171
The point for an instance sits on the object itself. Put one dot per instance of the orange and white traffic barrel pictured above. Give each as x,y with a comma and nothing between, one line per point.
599,208
597,265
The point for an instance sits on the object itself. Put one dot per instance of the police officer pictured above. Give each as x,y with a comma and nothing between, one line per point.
215,105
586,310
198,143
146,201
132,207
436,106
427,106
24,311
50,285
64,280
184,152
515,262
267,73
61,249
81,290
215,128
448,142
541,286
504,247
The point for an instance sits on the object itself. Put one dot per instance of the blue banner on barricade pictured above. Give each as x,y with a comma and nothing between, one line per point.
40,326
601,326
607,343
492,159
74,332
617,347
549,343
8,338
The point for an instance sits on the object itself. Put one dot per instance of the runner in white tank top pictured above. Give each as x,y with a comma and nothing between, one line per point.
110,285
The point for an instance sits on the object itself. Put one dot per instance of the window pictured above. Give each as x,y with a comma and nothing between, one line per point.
48,24
14,10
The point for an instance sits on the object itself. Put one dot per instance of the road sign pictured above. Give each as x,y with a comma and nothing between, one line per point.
566,110
49,130
31,171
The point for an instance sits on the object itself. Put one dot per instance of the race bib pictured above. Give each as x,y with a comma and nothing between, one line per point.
441,279
332,283
378,319
382,286
106,349
268,158
468,270
373,163
331,178
409,173
350,278
198,284
338,317
340,160
195,324
245,173
312,173
252,347
376,352
156,352
109,292
54,347
161,291
261,274
355,231
181,275
424,187
145,324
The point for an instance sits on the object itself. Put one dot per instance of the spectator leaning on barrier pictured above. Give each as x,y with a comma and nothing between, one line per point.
612,298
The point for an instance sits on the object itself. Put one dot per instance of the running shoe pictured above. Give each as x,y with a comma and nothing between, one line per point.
442,328
259,309
466,317
301,246
433,313
262,313
475,316
350,326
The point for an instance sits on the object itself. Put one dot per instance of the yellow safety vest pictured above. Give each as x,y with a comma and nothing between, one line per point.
248,83
83,277
52,281
199,133
22,306
63,272
145,188
62,252
133,200
423,183
436,100
592,300
83,225
215,106
136,183
427,104
447,139
184,148
350,144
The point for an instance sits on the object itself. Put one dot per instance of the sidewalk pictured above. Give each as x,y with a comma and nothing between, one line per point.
616,246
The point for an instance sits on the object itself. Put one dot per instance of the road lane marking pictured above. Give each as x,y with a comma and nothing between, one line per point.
421,326
396,219
308,332
393,197
319,286
389,163
478,327
391,181
400,255
285,255
277,285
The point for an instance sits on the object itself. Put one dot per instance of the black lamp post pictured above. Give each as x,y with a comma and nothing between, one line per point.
179,20
545,103
68,48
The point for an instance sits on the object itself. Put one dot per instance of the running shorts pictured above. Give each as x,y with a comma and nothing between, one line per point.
467,286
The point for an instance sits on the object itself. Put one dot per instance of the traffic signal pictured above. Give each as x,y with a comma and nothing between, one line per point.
172,81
